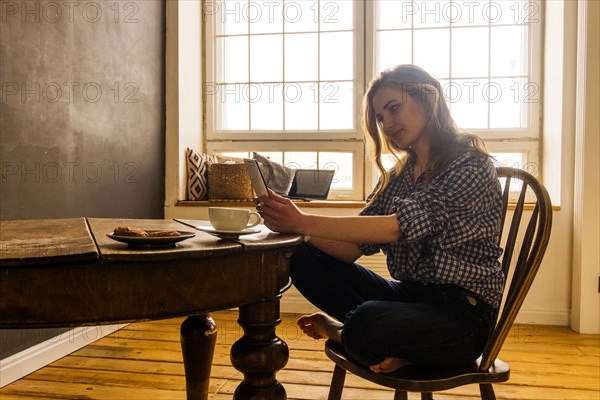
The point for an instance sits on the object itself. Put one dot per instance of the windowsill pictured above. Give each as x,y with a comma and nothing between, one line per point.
303,204
299,203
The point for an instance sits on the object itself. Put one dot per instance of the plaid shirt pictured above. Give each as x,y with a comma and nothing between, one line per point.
449,227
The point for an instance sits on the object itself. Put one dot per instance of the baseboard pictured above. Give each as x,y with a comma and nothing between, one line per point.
296,304
293,302
33,358
543,316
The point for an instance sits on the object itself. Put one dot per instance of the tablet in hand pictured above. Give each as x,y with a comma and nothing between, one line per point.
256,177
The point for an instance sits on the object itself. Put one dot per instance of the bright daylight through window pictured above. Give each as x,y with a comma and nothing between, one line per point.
286,78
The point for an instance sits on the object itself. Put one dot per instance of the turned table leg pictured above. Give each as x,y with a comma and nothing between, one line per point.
259,354
198,339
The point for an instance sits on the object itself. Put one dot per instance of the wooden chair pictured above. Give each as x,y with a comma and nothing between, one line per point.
529,240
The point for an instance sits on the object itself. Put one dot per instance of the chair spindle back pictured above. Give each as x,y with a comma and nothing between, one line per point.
531,249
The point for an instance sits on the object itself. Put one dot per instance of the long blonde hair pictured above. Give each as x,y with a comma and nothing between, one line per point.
447,140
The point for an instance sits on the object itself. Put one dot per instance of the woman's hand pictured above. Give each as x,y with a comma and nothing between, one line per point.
280,214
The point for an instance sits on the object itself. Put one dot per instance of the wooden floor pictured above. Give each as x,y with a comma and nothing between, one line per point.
143,361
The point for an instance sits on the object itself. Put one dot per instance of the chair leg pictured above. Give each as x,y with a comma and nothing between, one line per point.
487,391
400,395
426,396
337,383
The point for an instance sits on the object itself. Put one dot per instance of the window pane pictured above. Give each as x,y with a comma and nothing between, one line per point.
266,107
301,106
394,14
337,56
336,15
470,52
468,106
506,104
509,57
300,159
264,16
337,105
266,55
515,12
495,11
430,13
342,164
234,110
229,14
388,161
393,48
235,154
431,49
301,57
234,67
468,12
301,16
513,160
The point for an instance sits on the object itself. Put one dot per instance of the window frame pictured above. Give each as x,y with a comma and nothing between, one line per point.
212,134
534,58
523,140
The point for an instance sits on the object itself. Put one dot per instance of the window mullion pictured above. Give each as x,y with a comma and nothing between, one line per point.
283,77
319,66
249,73
489,71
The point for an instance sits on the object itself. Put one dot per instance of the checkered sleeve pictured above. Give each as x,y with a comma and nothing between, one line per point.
419,216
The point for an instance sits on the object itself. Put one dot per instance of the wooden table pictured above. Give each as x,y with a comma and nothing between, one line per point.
67,272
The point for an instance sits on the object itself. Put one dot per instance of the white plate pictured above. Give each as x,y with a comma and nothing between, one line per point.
230,234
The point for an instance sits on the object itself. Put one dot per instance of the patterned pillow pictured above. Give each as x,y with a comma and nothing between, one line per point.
197,174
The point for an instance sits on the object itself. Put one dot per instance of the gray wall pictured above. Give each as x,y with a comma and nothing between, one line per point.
81,114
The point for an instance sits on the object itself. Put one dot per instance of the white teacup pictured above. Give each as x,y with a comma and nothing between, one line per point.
232,219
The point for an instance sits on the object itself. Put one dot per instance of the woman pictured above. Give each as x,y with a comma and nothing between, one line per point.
436,217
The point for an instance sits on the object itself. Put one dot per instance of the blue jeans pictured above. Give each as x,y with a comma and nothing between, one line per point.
438,326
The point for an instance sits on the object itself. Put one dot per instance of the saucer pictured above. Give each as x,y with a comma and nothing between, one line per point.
227,234
153,240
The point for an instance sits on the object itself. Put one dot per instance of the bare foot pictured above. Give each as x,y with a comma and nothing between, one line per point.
390,364
321,326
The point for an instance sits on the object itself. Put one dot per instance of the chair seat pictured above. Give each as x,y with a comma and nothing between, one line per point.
417,379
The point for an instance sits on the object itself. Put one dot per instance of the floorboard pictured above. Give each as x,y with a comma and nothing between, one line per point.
143,361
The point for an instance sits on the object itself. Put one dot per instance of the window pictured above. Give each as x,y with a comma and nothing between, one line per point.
286,78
